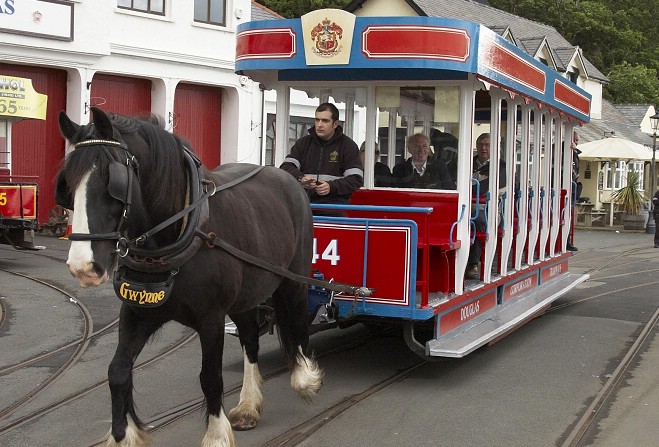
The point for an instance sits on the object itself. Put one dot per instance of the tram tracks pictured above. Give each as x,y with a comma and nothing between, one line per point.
80,346
578,432
296,434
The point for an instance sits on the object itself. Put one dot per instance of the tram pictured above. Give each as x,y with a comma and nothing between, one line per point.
450,80
18,210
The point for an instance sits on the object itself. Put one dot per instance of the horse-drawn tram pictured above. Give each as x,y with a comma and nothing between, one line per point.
450,81
18,210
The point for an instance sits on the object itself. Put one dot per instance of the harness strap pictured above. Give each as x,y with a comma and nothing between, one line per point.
194,205
115,235
213,241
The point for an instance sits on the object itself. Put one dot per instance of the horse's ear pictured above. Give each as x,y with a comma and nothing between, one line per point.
67,127
102,124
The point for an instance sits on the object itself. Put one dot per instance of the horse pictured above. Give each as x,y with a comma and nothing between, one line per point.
146,213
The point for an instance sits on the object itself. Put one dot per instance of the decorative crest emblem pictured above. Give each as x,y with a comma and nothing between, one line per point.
326,36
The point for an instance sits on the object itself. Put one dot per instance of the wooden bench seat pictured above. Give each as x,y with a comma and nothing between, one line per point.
436,245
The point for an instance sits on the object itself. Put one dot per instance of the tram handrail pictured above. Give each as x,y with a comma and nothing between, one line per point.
530,206
393,209
518,196
472,220
552,194
450,234
502,209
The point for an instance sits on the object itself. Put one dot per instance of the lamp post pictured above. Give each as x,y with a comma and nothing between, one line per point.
654,122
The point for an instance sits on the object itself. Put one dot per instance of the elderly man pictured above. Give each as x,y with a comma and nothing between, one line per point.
420,172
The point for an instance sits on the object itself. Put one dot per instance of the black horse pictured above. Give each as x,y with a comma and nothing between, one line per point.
147,213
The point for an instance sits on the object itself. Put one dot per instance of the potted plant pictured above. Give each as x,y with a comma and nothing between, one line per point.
631,200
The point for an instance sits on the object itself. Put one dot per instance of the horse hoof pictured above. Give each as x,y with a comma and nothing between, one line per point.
244,423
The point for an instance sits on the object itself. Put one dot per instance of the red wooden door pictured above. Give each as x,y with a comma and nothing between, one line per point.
37,147
121,95
197,118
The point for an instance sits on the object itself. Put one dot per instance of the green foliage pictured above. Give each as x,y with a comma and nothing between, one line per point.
632,84
631,199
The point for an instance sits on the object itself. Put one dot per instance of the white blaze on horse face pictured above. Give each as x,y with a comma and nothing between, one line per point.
81,256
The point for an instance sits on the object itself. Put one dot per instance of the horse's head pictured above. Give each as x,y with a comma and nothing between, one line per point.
98,180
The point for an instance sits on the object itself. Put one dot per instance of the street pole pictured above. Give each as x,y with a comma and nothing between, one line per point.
654,120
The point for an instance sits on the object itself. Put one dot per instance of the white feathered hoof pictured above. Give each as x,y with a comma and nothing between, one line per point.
135,437
218,432
307,378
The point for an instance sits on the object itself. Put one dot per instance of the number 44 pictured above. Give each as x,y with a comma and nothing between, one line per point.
331,252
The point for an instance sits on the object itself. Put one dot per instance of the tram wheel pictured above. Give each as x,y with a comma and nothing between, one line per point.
58,219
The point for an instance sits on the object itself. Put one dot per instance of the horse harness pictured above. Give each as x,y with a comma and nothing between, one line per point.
161,264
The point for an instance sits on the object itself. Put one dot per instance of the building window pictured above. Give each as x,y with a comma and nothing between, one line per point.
573,75
210,11
149,6
5,165
297,128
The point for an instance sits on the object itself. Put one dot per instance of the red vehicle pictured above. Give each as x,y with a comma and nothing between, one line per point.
18,210
450,80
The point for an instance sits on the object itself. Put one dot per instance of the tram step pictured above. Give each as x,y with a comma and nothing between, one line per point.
503,319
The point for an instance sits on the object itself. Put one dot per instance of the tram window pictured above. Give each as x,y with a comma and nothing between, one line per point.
432,111
4,146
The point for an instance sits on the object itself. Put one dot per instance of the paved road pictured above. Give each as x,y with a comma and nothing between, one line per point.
530,389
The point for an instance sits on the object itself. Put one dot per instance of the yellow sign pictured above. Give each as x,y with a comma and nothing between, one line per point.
19,99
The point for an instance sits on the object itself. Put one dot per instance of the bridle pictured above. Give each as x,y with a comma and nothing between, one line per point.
122,181
123,177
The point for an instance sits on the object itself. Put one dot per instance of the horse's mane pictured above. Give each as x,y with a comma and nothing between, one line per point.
159,152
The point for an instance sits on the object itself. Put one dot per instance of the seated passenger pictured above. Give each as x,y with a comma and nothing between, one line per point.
383,175
419,171
481,172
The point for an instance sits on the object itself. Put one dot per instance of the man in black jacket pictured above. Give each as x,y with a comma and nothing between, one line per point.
326,161
420,172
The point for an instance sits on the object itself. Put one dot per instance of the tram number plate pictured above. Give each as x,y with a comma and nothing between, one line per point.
11,197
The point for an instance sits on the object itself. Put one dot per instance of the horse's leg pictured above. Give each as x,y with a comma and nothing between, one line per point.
134,332
290,303
247,413
218,429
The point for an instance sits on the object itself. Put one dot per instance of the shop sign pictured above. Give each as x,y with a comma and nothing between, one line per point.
19,99
52,19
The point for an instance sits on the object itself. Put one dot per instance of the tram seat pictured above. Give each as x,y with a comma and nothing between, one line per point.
436,250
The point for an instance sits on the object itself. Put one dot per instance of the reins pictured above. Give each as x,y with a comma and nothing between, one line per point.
212,241
124,246
140,240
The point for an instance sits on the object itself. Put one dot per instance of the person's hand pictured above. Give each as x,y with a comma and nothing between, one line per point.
308,182
322,188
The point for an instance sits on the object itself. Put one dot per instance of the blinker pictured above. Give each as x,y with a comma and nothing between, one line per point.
118,181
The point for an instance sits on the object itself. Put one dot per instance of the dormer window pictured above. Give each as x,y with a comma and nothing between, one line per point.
543,60
573,75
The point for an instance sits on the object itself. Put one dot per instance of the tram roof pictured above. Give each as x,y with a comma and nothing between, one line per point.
335,45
